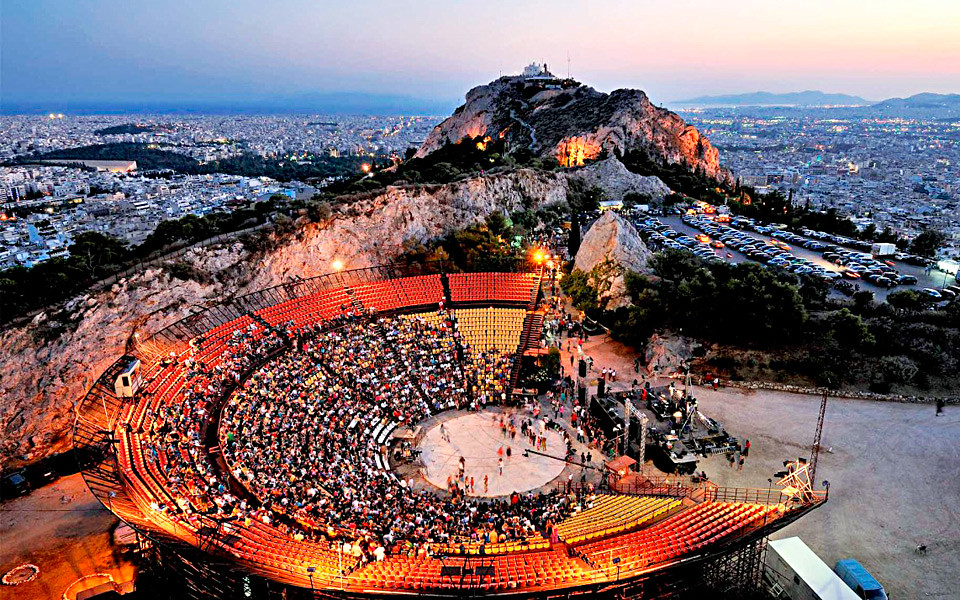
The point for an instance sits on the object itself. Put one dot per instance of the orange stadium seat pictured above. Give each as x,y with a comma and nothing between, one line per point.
684,532
614,514
477,287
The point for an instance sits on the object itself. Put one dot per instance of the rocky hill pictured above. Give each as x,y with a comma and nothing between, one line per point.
48,365
616,180
575,124
611,247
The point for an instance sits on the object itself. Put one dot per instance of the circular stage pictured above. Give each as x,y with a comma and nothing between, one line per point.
477,438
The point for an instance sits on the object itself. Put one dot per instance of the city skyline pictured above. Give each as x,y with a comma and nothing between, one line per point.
102,51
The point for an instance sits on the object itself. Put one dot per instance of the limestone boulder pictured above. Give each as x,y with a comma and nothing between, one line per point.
611,247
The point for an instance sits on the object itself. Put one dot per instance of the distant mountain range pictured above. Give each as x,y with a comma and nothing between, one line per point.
806,98
388,104
926,100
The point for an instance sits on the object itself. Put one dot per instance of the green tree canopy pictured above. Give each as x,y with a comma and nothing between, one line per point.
849,330
94,253
927,242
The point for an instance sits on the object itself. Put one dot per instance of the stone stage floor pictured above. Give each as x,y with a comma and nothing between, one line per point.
477,438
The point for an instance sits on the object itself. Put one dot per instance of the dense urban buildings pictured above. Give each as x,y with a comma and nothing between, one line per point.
896,173
45,206
892,172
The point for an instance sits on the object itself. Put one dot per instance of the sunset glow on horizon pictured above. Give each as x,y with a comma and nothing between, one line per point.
440,49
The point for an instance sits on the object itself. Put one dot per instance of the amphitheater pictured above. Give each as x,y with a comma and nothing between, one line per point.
253,456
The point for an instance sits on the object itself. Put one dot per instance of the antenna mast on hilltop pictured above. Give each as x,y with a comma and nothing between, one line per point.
568,65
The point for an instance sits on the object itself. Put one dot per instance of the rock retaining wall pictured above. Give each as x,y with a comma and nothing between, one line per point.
858,395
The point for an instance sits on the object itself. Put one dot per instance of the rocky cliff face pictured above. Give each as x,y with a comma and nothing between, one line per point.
575,124
48,365
615,180
610,248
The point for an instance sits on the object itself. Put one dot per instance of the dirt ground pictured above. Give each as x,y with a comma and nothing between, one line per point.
894,473
65,531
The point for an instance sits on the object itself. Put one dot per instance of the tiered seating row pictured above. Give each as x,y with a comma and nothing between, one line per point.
533,569
308,310
478,287
263,546
224,330
537,542
684,532
215,343
163,386
434,319
396,293
486,328
613,514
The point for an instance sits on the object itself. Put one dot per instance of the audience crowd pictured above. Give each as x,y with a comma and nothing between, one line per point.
298,434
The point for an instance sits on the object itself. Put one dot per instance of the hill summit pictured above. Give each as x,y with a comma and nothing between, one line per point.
574,123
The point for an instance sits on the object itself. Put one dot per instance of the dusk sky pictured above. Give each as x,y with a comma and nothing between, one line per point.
239,50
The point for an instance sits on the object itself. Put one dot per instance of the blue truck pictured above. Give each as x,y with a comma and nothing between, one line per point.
859,580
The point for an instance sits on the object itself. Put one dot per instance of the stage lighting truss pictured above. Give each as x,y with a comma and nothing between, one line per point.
796,483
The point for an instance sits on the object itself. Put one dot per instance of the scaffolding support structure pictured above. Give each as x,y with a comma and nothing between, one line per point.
738,573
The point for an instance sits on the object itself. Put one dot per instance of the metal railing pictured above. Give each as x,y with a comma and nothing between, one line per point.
176,335
703,492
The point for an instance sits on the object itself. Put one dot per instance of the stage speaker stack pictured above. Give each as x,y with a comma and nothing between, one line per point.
583,368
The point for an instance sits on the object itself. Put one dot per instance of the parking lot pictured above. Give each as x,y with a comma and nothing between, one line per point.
932,279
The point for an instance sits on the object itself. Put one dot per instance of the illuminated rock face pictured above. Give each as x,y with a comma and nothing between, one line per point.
575,151
482,100
575,124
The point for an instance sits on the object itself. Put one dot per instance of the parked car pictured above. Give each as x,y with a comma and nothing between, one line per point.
14,484
886,282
